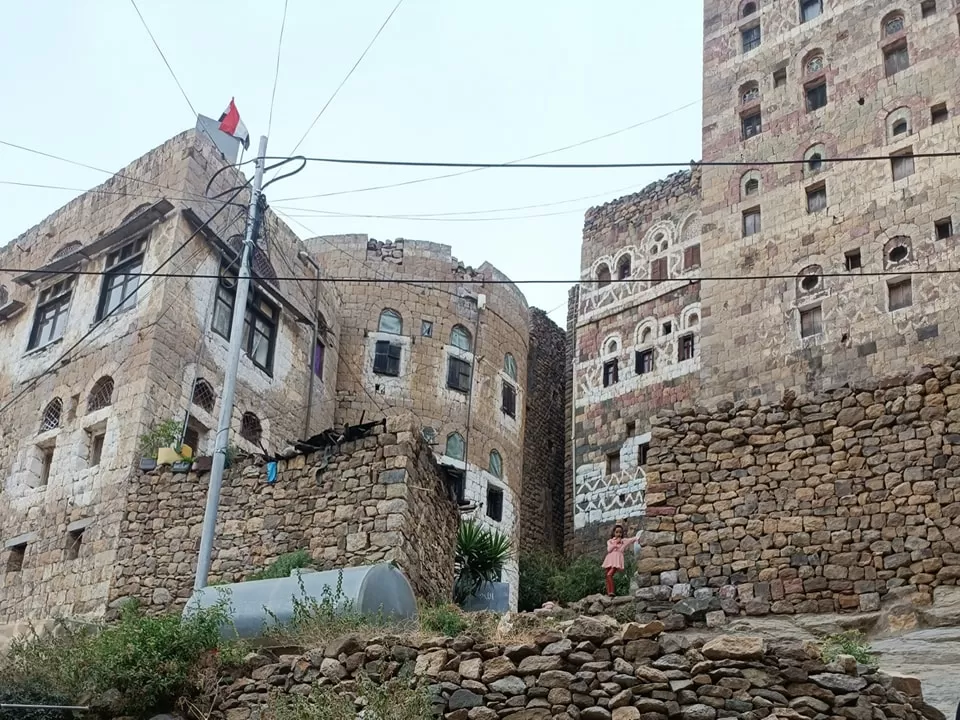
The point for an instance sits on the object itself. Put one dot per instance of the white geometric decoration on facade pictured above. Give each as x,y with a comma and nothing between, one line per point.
603,498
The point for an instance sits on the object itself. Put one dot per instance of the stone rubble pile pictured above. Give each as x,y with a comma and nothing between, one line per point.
595,669
823,503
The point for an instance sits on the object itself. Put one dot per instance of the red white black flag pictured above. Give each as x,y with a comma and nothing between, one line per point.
231,124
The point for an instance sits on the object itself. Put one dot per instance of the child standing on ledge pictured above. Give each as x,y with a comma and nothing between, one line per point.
614,559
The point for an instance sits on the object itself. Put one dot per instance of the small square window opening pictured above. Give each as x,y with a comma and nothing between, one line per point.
667,328
896,58
852,259
691,257
817,198
751,125
901,294
74,541
810,9
944,228
613,463
928,8
46,465
686,348
658,271
426,328
96,449
816,96
642,454
901,164
779,77
751,222
811,321
509,400
939,114
644,362
631,428
611,373
494,505
17,554
386,358
751,38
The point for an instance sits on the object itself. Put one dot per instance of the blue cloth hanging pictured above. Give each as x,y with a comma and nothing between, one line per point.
272,472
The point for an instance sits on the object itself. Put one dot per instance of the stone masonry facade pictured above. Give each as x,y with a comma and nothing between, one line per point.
381,498
821,503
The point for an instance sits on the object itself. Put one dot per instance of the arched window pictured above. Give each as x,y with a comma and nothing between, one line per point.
496,464
814,159
203,395
603,275
611,346
898,123
900,127
813,63
68,249
510,366
897,250
250,428
749,92
646,335
623,267
893,23
102,394
454,446
748,9
810,280
390,322
51,415
460,338
692,320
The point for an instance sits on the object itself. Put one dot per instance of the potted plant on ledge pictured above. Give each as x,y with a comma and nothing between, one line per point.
157,446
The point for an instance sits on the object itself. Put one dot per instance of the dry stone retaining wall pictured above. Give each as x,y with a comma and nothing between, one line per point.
592,670
821,503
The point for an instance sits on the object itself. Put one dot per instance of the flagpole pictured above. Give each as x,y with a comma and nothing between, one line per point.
230,379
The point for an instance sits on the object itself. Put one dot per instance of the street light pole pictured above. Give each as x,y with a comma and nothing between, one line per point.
230,378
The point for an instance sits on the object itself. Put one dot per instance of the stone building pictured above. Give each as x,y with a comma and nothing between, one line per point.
634,326
836,263
454,353
91,361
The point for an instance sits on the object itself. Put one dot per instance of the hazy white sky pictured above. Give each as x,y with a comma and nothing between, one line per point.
447,80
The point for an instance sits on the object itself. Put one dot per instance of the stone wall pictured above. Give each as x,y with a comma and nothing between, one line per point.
542,502
821,503
590,669
379,499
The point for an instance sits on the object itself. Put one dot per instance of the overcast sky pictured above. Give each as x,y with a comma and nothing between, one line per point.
492,81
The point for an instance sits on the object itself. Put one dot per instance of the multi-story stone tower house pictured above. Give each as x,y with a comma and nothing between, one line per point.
828,267
816,79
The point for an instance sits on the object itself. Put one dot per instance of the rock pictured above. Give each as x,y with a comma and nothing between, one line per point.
346,645
464,699
482,713
650,705
716,618
561,647
909,686
730,647
699,712
846,664
589,629
839,683
595,713
637,631
626,713
536,664
647,674
334,670
696,607
554,679
496,668
621,699
471,669
530,714
510,685
429,664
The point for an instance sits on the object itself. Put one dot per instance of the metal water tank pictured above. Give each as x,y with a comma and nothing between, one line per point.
259,604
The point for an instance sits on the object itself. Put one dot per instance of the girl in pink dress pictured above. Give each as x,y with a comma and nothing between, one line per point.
614,559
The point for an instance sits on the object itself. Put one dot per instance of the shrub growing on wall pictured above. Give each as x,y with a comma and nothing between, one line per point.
546,577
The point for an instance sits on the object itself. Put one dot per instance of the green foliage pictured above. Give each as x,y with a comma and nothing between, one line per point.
163,435
283,566
142,663
545,576
28,692
851,642
396,699
480,557
446,619
319,619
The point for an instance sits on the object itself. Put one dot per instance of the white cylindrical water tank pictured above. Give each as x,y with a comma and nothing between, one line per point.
373,590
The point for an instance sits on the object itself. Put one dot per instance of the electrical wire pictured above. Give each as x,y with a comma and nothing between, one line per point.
614,166
164,57
467,172
347,76
528,281
276,73
30,384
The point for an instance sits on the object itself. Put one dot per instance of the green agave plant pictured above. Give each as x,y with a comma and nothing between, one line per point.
480,557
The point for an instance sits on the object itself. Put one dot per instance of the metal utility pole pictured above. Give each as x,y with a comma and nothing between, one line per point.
230,378
305,258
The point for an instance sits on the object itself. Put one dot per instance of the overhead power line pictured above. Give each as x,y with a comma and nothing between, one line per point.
347,77
276,72
528,157
613,166
165,62
528,281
